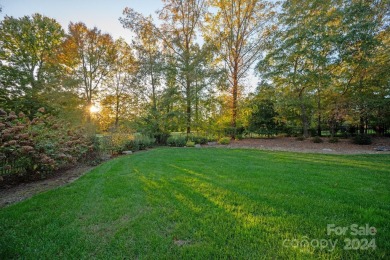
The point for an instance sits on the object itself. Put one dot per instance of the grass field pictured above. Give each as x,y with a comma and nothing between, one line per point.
180,203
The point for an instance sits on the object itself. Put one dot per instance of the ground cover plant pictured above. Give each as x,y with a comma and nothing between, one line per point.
207,203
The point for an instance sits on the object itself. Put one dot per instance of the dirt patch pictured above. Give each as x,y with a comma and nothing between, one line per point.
344,146
10,195
14,193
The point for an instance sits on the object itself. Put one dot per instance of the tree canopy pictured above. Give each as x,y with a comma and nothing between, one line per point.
321,65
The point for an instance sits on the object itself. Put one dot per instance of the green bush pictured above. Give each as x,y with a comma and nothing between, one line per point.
239,137
171,141
317,140
177,141
190,144
212,139
161,138
199,139
139,142
362,139
145,142
313,132
224,140
289,131
131,145
345,135
333,140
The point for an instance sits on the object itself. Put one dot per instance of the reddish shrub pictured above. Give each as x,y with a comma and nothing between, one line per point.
41,145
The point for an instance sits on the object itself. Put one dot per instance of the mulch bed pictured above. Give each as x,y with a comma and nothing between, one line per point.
10,193
344,146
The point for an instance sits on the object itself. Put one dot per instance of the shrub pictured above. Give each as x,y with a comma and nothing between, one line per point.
313,132
333,140
199,139
212,139
190,144
37,147
161,138
317,140
345,135
224,140
239,137
119,142
362,139
300,138
171,141
131,145
177,141
144,141
230,131
288,130
105,142
139,142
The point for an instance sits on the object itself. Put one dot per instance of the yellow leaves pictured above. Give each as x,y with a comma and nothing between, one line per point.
334,22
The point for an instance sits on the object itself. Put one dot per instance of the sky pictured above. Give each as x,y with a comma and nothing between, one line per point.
103,14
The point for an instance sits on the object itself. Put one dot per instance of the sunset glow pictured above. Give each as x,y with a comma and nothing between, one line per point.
94,109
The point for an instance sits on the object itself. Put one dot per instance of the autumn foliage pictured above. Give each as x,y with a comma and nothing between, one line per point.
32,149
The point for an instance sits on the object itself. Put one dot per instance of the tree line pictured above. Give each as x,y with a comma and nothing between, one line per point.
321,64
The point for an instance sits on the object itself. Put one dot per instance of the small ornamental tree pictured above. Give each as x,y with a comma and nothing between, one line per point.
263,118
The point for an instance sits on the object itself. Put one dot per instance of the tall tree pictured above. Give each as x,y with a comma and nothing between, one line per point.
320,57
90,55
238,28
120,80
28,58
148,50
150,59
181,21
299,56
361,24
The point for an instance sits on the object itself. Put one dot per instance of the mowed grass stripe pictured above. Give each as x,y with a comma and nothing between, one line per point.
205,203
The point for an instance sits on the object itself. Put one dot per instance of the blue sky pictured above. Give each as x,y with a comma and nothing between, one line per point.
103,14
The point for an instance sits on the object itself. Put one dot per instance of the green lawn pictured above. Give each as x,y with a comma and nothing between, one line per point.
207,203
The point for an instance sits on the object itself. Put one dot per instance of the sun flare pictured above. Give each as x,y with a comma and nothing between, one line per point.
94,109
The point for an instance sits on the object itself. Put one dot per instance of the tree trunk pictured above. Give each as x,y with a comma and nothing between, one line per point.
188,110
361,125
234,106
234,99
305,123
188,97
366,125
188,83
89,105
319,130
154,98
117,112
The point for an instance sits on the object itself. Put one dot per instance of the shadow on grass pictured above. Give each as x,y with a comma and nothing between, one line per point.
210,216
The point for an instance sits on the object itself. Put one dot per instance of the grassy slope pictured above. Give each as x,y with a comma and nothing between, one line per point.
204,203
